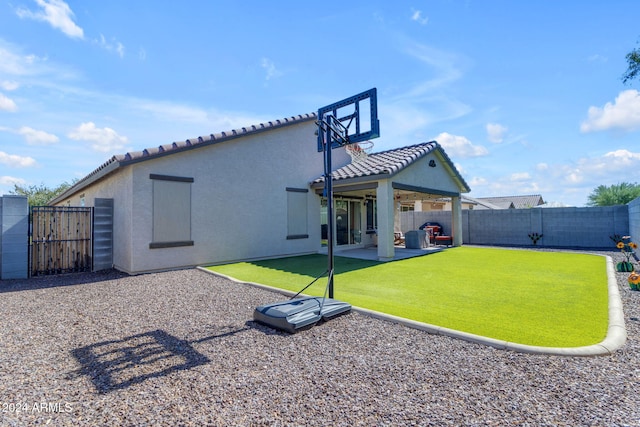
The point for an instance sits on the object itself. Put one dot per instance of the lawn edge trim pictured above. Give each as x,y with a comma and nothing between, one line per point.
614,340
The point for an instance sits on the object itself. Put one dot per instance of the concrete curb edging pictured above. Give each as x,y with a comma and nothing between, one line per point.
616,332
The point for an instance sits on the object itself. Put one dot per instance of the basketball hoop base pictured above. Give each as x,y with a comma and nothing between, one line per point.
299,314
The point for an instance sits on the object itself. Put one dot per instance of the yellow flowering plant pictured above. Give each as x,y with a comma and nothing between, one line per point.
628,248
634,281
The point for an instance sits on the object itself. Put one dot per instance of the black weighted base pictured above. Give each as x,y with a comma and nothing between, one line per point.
302,313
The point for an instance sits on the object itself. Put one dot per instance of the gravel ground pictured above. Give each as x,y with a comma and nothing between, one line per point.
179,348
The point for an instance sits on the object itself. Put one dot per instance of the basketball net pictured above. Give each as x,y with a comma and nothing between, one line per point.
359,151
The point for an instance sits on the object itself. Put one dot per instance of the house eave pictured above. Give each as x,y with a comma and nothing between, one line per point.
106,169
212,139
337,183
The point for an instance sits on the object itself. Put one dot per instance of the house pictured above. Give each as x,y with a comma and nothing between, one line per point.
435,203
514,202
256,192
479,203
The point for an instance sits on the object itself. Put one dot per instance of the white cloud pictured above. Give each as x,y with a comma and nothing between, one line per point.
597,58
408,119
111,46
618,163
16,161
569,183
417,106
57,13
419,18
496,132
477,181
611,167
459,146
444,65
623,157
623,114
192,117
104,140
7,104
520,176
506,185
10,180
162,110
460,169
575,176
14,62
37,137
9,85
270,67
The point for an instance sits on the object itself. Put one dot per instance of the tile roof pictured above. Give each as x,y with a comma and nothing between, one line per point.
518,202
391,162
200,141
479,204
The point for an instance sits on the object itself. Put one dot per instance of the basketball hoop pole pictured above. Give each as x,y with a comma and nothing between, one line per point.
332,133
328,188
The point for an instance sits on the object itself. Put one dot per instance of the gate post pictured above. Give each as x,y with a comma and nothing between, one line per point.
14,244
102,234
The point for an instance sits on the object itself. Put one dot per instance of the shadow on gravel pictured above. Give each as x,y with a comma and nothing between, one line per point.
117,364
53,281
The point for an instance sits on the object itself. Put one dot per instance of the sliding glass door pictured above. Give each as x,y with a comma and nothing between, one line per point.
348,222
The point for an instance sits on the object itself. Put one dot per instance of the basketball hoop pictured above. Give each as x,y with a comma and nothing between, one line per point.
359,151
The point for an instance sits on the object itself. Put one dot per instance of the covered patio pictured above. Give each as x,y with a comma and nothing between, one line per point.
368,195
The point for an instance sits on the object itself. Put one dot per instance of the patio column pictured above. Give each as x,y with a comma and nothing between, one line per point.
386,212
456,221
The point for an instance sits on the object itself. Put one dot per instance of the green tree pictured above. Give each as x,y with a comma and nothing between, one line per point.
617,194
39,195
633,65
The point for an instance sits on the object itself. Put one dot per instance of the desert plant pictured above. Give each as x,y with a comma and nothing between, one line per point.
627,247
535,237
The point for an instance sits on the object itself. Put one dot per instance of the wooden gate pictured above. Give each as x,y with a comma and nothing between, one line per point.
61,239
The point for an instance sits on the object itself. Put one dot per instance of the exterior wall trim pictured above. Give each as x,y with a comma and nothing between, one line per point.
163,245
170,178
399,186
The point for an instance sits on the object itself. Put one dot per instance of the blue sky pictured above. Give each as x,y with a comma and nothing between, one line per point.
526,97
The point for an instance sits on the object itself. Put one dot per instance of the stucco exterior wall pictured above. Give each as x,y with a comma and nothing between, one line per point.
421,174
238,198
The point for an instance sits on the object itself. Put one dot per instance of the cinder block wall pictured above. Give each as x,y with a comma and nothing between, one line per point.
14,219
634,219
561,227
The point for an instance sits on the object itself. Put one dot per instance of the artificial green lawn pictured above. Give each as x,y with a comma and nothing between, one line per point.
551,299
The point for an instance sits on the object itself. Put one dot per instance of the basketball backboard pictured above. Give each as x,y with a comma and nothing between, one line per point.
354,119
